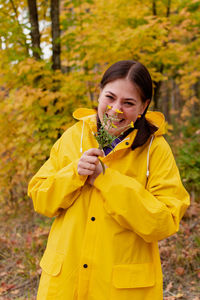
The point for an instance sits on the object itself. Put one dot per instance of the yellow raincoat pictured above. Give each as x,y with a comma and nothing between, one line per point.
103,242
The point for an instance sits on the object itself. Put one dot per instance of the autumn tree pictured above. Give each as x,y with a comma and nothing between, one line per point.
86,36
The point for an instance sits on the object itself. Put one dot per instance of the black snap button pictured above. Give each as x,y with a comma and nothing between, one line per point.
85,266
93,218
127,143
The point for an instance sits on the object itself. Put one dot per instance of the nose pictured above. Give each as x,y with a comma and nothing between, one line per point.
117,107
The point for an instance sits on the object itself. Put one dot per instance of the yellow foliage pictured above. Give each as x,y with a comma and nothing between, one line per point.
36,104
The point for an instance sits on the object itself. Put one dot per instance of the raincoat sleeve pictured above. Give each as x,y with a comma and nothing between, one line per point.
153,212
56,187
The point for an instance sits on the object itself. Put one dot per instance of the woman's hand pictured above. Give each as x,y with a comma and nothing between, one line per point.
98,170
89,163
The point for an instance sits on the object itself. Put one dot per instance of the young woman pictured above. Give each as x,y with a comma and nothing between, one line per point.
103,244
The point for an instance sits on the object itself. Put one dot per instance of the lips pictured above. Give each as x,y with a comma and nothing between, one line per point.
116,121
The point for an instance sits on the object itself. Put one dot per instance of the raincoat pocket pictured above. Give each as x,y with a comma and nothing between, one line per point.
51,262
133,276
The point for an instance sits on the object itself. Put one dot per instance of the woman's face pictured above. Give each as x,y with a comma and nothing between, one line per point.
120,95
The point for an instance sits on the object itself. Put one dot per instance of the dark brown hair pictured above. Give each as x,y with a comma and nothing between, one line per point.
138,74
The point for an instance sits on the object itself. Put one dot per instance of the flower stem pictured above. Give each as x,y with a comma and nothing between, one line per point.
102,164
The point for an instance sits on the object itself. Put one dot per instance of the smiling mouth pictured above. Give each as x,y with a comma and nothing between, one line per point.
114,119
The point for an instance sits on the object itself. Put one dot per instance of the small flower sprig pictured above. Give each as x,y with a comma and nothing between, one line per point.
103,137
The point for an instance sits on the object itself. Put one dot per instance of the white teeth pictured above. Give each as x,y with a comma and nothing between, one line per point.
113,119
117,120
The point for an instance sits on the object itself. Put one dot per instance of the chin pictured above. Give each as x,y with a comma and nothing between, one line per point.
115,132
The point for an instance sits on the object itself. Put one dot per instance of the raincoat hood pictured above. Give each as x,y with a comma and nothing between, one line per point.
84,113
154,117
157,119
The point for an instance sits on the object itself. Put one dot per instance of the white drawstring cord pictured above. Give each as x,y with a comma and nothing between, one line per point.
81,149
148,155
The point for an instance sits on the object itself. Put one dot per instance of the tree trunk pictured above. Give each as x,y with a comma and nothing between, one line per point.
166,101
157,89
168,8
154,11
196,105
35,34
156,93
55,31
158,84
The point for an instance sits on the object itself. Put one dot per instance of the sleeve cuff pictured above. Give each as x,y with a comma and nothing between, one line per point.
81,178
104,180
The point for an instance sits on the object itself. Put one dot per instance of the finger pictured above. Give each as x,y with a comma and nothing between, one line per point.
94,152
89,159
86,165
85,172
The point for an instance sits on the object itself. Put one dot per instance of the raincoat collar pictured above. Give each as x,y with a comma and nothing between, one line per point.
89,116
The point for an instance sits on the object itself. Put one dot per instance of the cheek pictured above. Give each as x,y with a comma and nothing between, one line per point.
135,112
102,104
132,114
101,109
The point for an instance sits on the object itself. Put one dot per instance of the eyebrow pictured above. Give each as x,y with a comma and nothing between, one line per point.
124,98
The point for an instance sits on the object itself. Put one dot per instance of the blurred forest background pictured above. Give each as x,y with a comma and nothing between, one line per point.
52,56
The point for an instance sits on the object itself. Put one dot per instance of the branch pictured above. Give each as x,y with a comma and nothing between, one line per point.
16,17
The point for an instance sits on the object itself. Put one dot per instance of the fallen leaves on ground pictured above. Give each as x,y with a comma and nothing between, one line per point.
23,236
180,256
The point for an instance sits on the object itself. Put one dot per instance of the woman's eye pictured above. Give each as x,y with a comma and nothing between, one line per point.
110,97
129,103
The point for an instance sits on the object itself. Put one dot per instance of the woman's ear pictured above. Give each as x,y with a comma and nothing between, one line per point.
145,105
